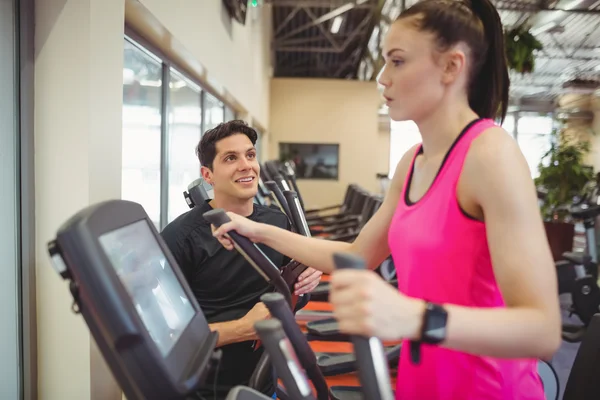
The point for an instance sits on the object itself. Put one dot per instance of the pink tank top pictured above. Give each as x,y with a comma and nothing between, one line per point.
441,255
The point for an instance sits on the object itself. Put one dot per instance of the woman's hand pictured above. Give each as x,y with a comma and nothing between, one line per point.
307,281
366,305
241,225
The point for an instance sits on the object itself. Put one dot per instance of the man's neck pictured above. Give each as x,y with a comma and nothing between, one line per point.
239,206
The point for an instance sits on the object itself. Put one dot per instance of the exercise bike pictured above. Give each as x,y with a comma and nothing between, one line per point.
578,272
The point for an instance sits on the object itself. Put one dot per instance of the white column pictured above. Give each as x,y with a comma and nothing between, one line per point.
78,107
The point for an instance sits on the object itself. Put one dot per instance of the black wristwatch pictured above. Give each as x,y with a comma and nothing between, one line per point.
433,329
435,319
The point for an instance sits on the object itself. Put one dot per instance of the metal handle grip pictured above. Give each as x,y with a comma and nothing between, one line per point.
281,200
370,356
284,357
281,181
282,312
297,214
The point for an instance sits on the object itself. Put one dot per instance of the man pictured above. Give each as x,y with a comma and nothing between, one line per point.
226,286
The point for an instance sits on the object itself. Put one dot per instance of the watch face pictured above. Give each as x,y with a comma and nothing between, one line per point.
435,321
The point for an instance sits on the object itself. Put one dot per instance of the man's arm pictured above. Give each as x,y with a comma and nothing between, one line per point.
242,329
236,331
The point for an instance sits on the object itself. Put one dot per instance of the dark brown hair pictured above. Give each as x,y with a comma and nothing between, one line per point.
477,24
207,148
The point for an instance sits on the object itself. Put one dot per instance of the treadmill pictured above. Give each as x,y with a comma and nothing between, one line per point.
136,303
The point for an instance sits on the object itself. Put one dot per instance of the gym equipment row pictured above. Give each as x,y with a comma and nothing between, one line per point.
145,319
583,288
578,271
322,325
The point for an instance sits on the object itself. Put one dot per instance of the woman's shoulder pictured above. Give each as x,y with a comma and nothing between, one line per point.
495,161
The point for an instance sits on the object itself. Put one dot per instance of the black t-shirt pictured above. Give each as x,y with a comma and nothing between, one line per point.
225,285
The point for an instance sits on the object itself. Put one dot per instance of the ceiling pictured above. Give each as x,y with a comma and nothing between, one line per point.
341,39
321,38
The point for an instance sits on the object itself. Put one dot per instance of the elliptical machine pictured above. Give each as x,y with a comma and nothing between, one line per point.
578,273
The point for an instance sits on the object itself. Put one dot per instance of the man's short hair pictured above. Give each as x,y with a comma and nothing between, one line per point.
207,148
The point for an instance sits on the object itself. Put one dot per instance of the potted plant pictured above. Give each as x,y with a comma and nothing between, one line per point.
520,46
562,177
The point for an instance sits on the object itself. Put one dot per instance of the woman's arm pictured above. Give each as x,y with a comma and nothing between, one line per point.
371,243
501,184
497,176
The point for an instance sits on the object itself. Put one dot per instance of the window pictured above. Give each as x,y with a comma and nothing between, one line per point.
229,114
213,111
403,135
10,229
164,115
185,127
509,124
142,119
258,145
534,138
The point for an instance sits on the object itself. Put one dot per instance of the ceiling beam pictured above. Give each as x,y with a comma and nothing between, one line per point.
300,49
324,31
311,3
584,59
286,21
326,17
292,45
304,41
533,8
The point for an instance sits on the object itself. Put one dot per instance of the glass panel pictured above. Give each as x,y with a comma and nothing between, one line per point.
213,111
142,81
509,124
185,125
10,365
258,145
143,269
534,138
229,114
403,135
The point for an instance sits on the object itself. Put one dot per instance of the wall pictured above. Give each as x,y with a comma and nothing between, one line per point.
331,111
236,56
78,141
585,129
78,102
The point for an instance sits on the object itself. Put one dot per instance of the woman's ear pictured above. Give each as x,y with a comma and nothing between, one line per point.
453,64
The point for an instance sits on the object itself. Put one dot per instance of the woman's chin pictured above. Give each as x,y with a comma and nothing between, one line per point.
398,115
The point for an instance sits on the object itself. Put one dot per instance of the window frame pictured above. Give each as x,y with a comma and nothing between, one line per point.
167,64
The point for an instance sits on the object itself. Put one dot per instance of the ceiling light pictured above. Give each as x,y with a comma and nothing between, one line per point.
336,24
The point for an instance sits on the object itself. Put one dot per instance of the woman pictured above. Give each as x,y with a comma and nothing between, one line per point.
476,276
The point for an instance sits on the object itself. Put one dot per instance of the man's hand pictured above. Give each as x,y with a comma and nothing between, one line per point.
258,313
307,281
242,329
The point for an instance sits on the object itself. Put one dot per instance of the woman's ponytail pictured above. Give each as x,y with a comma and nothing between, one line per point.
488,94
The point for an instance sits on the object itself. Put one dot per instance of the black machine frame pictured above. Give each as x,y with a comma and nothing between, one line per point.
126,341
